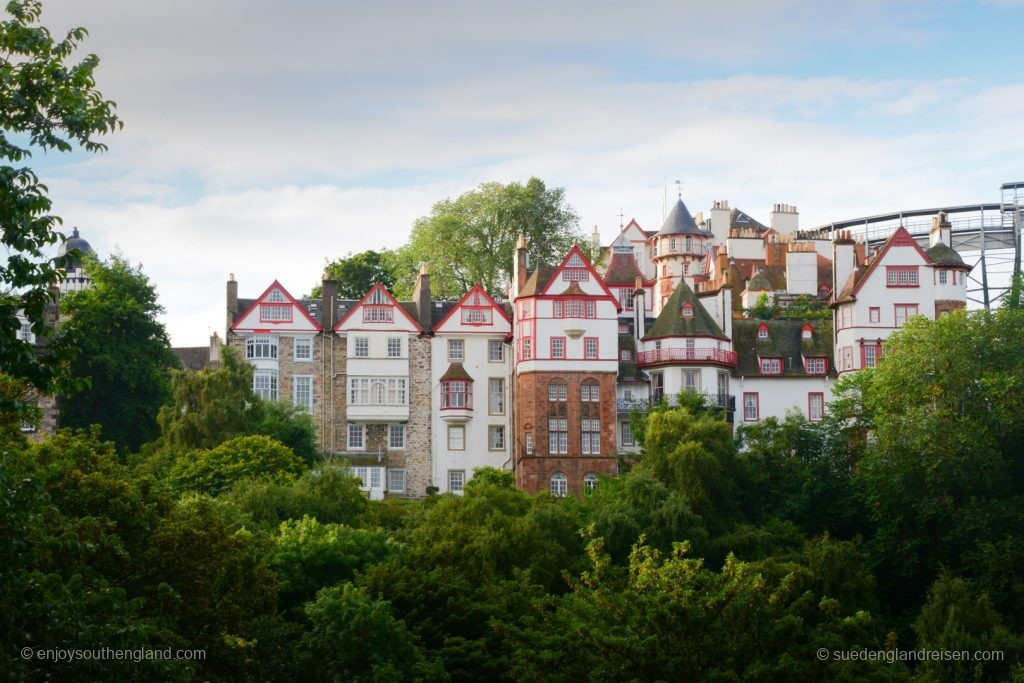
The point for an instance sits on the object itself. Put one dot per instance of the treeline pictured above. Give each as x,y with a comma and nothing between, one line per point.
895,524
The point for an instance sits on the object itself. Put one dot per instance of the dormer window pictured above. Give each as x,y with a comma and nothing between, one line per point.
276,297
575,270
771,366
476,316
807,332
687,310
762,331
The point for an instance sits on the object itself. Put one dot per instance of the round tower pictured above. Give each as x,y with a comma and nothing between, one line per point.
76,279
679,249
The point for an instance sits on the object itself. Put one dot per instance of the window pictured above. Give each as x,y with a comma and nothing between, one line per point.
362,347
904,311
456,438
456,480
626,298
457,394
558,436
626,355
496,396
527,349
815,406
815,366
25,332
771,366
396,481
589,482
524,309
276,296
275,313
360,474
590,348
264,384
751,409
689,243
943,277
687,310
691,380
356,437
559,485
394,347
846,316
377,391
495,350
807,332
456,350
375,477
657,386
558,391
396,437
558,347
627,434
302,392
303,349
476,316
528,442
496,438
901,276
874,314
623,329
591,436
847,357
261,348
870,354
378,314
590,392
762,331
574,308
672,248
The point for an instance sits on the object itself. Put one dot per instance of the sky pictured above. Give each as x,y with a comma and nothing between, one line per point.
262,138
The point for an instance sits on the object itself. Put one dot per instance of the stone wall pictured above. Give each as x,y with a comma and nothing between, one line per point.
418,462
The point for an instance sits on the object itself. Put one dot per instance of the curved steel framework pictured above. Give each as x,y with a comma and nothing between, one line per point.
985,235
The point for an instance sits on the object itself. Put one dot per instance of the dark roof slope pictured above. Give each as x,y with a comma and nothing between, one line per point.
944,255
193,358
740,219
671,322
623,269
537,281
680,222
784,341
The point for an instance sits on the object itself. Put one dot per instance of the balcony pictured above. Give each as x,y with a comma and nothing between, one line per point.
692,356
726,402
627,405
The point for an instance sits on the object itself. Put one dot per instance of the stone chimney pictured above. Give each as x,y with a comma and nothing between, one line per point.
519,267
421,297
941,230
844,260
639,311
720,220
232,300
215,345
328,298
785,218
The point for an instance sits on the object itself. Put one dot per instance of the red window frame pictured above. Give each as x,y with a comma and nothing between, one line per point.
864,357
816,359
452,388
485,312
906,315
769,360
379,313
763,328
687,311
893,273
821,397
557,339
757,406
874,314
597,348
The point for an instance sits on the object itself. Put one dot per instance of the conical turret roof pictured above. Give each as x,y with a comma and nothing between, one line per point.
680,222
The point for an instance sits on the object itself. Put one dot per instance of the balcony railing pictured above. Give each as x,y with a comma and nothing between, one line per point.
625,405
686,356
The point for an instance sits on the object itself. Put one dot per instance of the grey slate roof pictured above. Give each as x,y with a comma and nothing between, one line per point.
680,222
944,255
671,322
193,358
785,342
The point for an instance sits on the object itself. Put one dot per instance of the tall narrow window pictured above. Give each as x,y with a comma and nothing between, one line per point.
558,436
751,408
591,436
558,347
559,485
496,396
495,350
356,437
456,480
456,350
302,392
590,348
362,347
496,438
456,438
396,437
815,406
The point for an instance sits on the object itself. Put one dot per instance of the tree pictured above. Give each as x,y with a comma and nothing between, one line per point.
123,353
244,457
357,273
47,102
471,240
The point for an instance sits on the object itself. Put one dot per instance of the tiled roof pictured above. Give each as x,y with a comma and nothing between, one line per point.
671,322
680,222
537,280
944,255
623,269
784,341
456,371
193,358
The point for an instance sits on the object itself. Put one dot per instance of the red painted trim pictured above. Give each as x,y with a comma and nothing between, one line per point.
474,288
394,302
900,238
552,350
597,348
557,275
877,310
757,406
287,294
895,319
822,397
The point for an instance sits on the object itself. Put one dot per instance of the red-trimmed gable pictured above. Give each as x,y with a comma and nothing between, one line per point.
554,282
377,297
900,238
475,298
286,311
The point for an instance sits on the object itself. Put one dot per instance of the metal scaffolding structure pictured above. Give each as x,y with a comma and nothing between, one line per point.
987,236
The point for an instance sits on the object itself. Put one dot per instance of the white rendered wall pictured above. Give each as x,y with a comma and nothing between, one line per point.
802,272
779,395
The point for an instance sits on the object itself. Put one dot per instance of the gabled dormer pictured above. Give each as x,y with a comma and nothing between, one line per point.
476,312
378,310
577,277
276,310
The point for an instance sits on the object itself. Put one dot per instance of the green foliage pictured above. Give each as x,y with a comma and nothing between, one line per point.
244,457
763,309
47,102
328,495
211,406
292,426
308,555
355,638
471,240
357,273
123,354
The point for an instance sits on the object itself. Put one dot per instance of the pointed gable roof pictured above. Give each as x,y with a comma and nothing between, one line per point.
741,219
899,238
543,280
392,301
623,269
475,294
672,323
251,319
680,222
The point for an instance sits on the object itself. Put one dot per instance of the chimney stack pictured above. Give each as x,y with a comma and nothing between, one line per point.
519,267
232,300
785,218
328,298
941,230
421,297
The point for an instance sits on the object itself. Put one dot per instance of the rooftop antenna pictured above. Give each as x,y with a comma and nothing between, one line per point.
679,188
621,216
